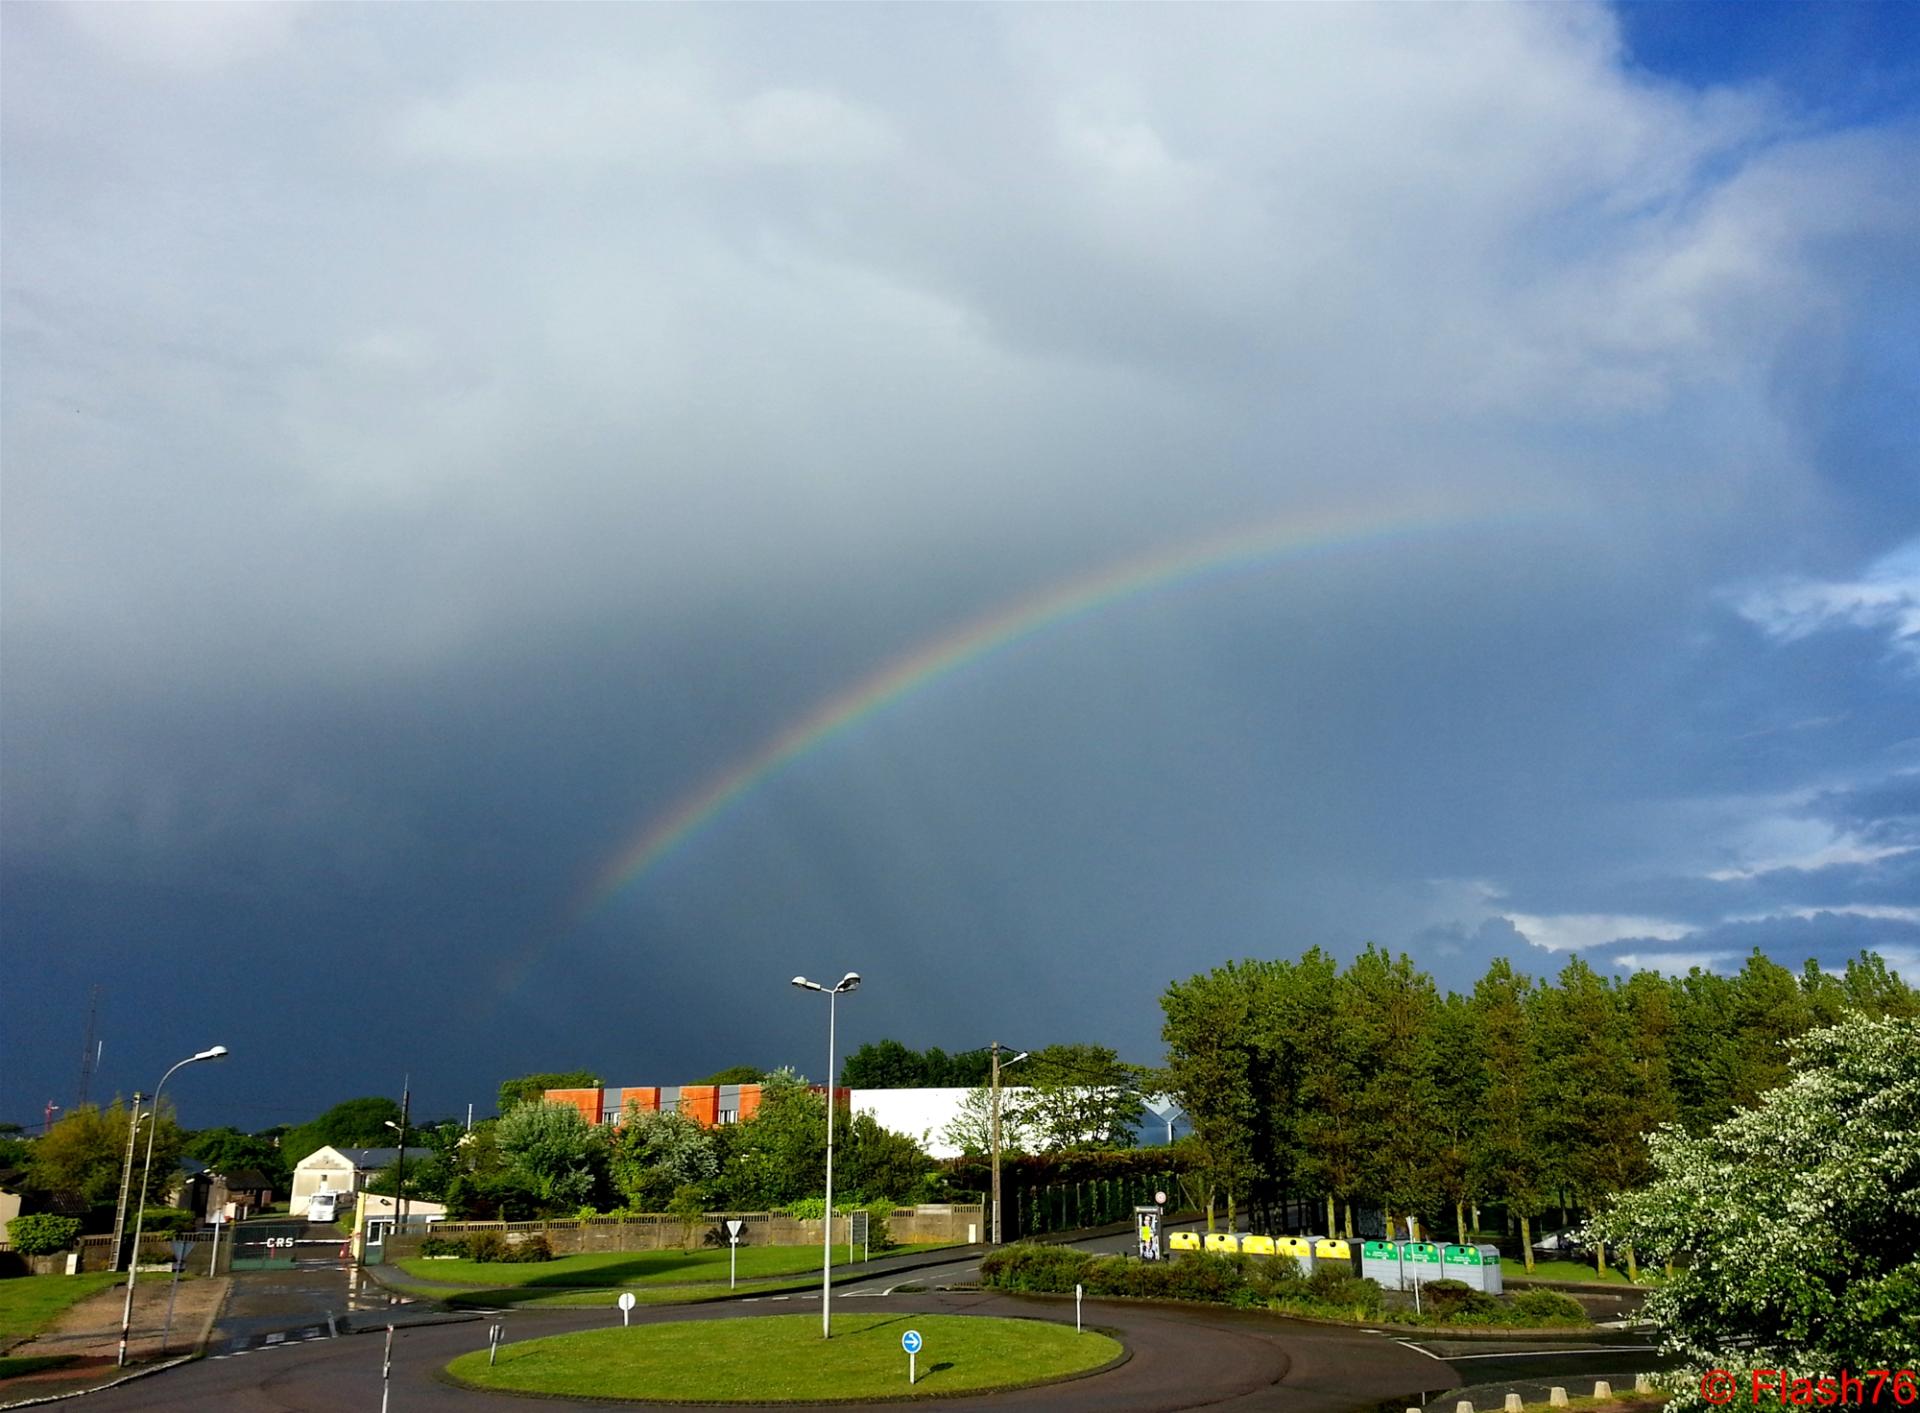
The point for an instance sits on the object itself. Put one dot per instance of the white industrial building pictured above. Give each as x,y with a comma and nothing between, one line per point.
925,1115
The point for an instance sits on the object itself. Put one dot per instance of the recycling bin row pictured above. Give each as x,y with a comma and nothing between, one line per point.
1400,1265
1307,1252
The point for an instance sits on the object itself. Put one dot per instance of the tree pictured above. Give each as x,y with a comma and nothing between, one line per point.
76,1167
553,1150
1393,1009
877,1164
531,1088
1079,1096
42,1233
884,1064
733,1074
352,1123
971,1127
1213,1050
1507,1147
1797,1220
226,1150
780,1154
655,1154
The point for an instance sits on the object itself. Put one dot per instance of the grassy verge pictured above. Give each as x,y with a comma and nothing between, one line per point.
32,1364
783,1359
607,1269
520,1297
28,1304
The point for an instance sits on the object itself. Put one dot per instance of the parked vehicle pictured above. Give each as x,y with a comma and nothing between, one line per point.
329,1206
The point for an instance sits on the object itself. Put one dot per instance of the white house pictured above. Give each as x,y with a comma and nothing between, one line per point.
343,1170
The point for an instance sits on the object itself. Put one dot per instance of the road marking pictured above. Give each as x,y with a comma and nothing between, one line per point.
1408,1344
1532,1353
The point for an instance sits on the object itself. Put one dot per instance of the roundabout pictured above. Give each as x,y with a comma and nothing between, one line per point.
783,1359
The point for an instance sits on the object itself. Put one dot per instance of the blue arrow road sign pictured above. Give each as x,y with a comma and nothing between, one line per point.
910,1341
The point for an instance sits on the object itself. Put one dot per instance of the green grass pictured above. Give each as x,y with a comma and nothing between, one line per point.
523,1297
33,1364
605,1270
28,1304
782,1358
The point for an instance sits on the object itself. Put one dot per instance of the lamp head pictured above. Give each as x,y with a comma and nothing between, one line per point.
213,1052
849,982
801,981
1018,1058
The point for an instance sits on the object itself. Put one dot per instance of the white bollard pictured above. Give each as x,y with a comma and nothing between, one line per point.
1602,1389
1557,1397
1643,1383
1515,1404
1465,1405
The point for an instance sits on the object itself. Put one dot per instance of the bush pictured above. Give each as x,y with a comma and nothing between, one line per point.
1546,1307
487,1246
528,1250
444,1246
1032,1267
1456,1302
42,1233
167,1221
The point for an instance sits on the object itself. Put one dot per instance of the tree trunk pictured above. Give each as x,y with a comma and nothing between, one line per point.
1349,1221
1526,1242
1633,1267
1233,1219
1600,1259
1331,1228
1209,1211
1476,1219
1460,1220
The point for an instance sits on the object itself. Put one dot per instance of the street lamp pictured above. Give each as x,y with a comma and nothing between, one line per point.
995,1236
849,982
216,1052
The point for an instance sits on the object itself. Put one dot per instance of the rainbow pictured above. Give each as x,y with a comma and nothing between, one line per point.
1220,555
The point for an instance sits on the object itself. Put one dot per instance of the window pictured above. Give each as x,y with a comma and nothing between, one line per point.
729,1116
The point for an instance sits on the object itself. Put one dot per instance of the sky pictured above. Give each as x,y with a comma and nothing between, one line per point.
523,528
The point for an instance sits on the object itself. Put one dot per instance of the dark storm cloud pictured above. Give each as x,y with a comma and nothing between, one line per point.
435,449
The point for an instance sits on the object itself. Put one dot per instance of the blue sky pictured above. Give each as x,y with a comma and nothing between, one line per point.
434,451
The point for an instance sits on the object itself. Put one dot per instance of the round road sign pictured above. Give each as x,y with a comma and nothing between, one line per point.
626,1300
910,1341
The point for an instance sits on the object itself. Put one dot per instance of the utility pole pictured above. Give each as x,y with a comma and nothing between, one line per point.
406,1104
993,1234
126,1181
46,1124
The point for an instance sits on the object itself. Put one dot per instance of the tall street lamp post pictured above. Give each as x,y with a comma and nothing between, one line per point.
217,1052
995,1235
849,982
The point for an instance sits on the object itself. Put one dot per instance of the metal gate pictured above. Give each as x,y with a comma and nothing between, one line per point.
257,1245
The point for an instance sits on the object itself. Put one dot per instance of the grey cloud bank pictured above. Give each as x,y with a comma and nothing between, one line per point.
434,448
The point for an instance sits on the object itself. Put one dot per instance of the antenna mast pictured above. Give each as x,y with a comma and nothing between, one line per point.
90,1053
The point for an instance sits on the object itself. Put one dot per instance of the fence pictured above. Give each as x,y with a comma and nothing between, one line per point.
1070,1206
660,1232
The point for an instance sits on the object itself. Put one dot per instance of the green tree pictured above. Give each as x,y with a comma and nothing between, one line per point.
872,1163
1393,1008
1796,1220
655,1154
1079,1096
733,1074
884,1064
226,1150
780,1154
353,1123
1331,1041
1508,1156
554,1152
971,1128
531,1088
77,1165
1214,1047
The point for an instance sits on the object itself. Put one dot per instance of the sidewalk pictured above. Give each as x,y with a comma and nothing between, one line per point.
88,1336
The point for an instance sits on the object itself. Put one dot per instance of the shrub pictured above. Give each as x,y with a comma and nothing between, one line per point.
1031,1267
167,1221
444,1246
1456,1302
42,1233
1546,1307
528,1250
487,1246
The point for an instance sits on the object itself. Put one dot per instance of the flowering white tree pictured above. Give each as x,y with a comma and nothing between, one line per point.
1796,1222
971,1128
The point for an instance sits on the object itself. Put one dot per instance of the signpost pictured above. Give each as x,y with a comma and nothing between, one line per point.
733,1249
1146,1220
857,1231
219,1219
910,1341
180,1250
626,1307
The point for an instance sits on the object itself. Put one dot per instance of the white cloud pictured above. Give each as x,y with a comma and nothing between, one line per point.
1829,849
191,38
1885,598
1566,932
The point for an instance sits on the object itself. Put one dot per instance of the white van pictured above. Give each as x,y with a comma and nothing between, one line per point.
325,1206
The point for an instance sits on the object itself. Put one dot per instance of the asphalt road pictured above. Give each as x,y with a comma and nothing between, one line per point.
1181,1358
